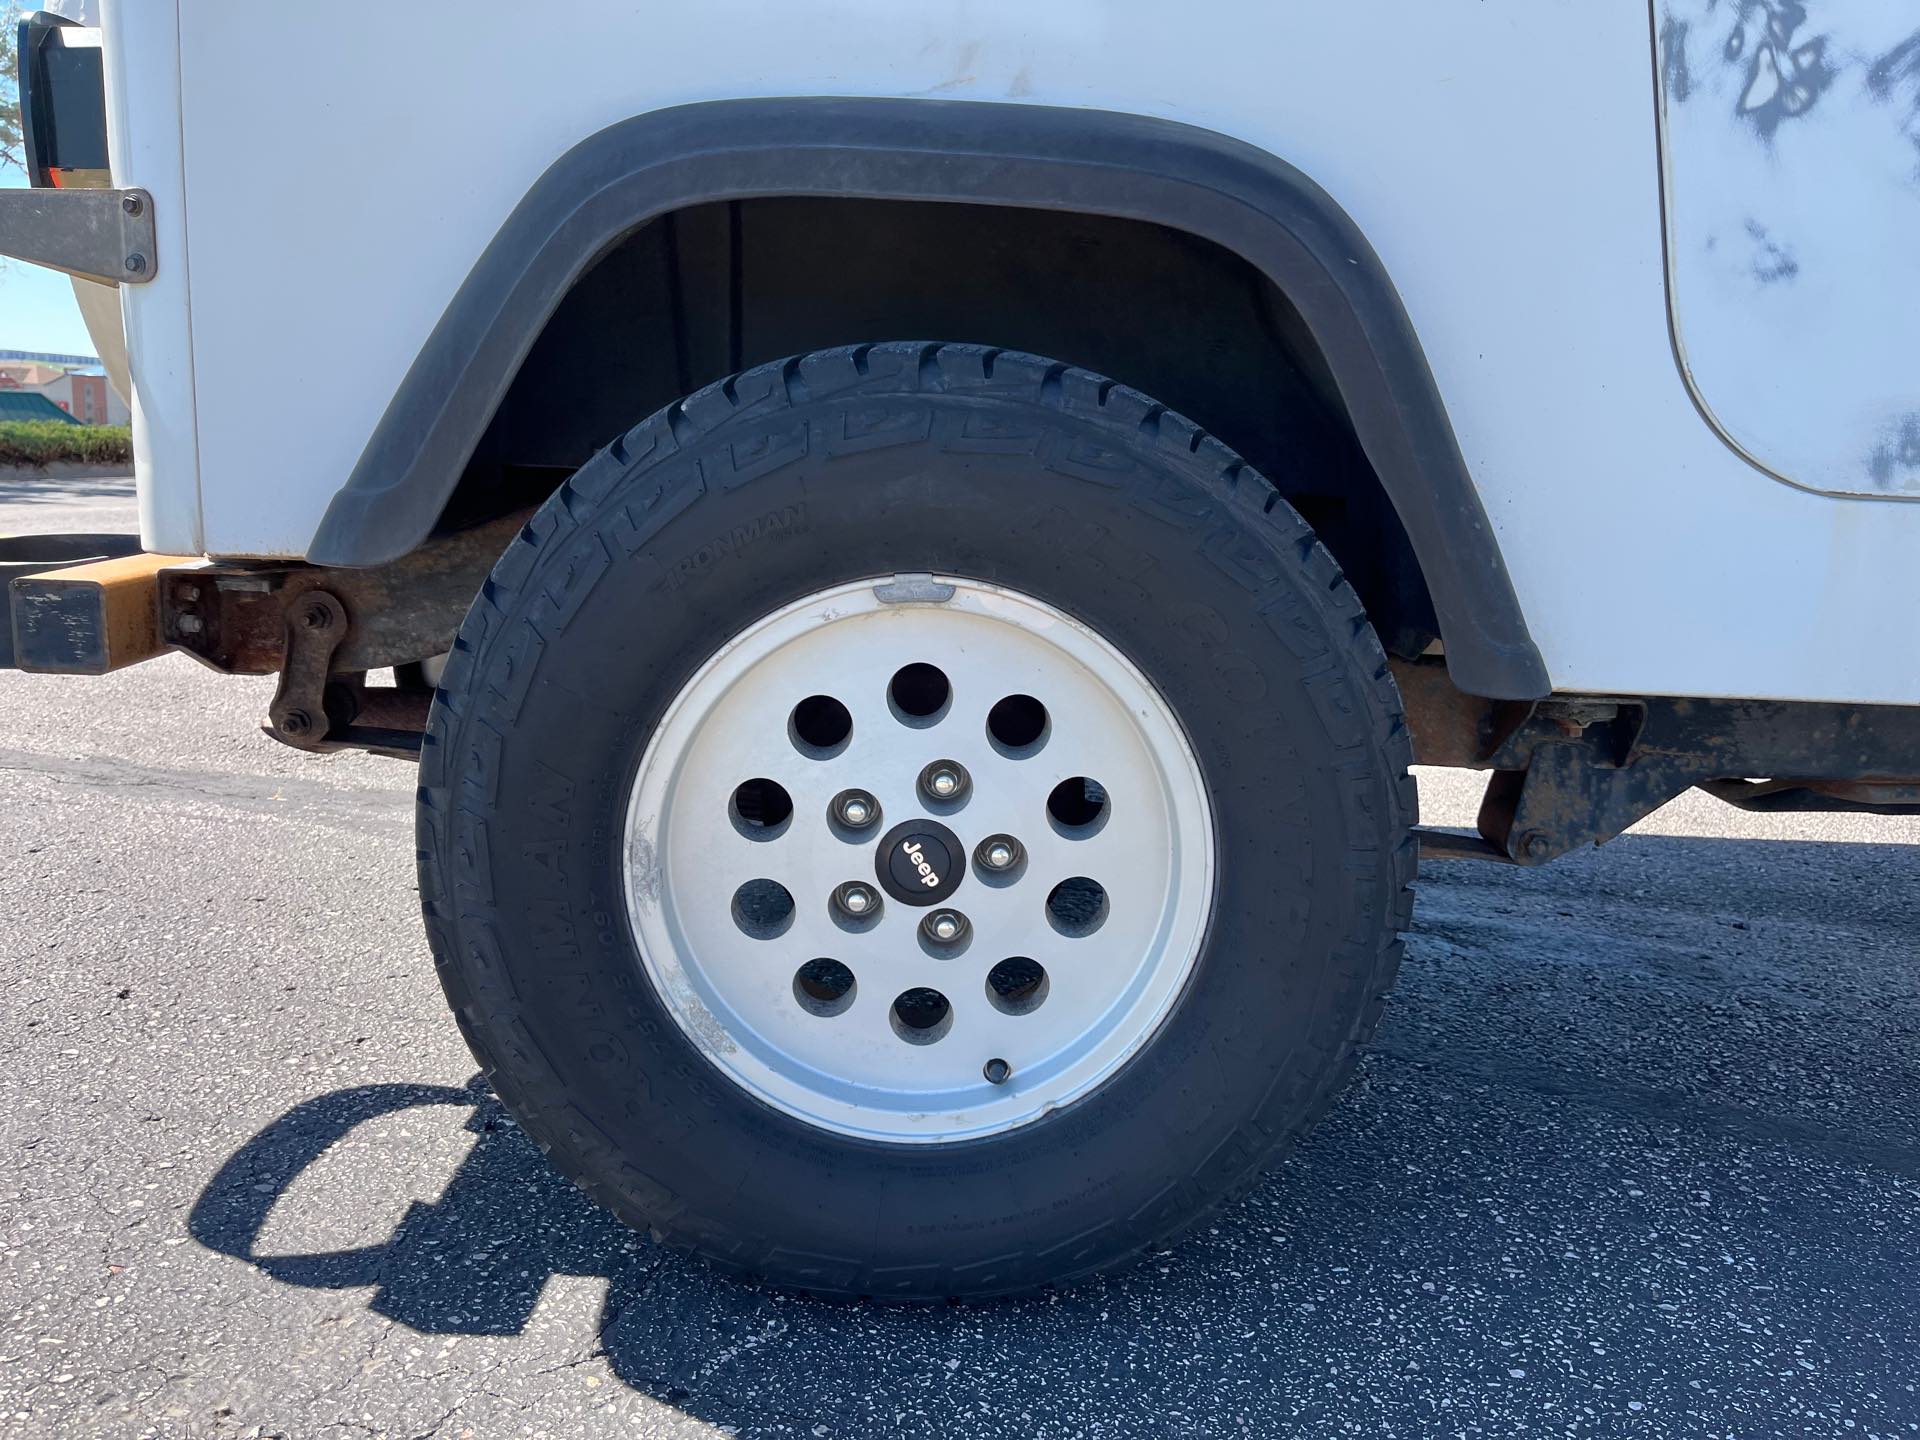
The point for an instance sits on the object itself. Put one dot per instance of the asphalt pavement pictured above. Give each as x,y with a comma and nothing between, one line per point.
1637,1151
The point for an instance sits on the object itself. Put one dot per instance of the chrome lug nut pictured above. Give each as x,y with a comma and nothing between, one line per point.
855,809
944,781
999,853
997,1071
945,934
855,906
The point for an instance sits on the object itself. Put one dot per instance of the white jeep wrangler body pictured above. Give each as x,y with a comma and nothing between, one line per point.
1745,528
1571,347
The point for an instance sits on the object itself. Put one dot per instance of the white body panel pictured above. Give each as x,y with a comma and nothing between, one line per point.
1501,156
1792,145
143,137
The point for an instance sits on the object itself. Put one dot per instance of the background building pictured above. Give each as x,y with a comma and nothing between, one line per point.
81,391
29,405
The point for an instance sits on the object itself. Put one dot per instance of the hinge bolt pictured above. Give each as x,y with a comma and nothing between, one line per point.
136,263
131,204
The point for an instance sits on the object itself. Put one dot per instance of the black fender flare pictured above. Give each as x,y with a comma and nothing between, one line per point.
1096,162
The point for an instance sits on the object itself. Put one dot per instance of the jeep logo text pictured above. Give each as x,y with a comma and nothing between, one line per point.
927,877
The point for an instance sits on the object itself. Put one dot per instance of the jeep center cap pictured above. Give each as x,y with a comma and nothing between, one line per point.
920,862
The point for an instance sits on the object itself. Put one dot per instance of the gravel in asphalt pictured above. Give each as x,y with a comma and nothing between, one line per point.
1637,1151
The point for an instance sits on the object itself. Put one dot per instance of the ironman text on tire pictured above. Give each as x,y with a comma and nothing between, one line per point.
916,820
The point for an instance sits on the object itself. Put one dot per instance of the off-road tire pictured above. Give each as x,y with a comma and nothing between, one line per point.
869,461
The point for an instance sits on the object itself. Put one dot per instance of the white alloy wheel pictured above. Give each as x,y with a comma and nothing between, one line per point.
918,859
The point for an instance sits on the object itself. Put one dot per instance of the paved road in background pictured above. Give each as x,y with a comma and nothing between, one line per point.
1637,1153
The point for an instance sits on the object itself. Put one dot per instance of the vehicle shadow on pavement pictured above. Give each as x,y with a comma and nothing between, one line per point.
503,1197
1640,1138
476,1260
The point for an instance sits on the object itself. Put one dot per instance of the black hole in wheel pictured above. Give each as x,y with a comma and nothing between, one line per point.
1077,906
1017,725
820,727
921,1015
823,987
763,909
1078,807
1016,986
919,693
760,808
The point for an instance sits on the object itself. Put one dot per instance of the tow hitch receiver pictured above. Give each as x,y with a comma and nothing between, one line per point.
82,605
84,618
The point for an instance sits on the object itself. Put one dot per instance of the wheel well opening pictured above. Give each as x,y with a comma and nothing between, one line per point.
705,291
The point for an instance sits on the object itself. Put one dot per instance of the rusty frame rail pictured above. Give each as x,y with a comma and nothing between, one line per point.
1574,770
232,615
322,629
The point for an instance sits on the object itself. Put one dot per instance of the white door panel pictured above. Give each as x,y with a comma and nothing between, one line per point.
1791,132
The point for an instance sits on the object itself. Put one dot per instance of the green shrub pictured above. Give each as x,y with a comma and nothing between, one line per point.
40,443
